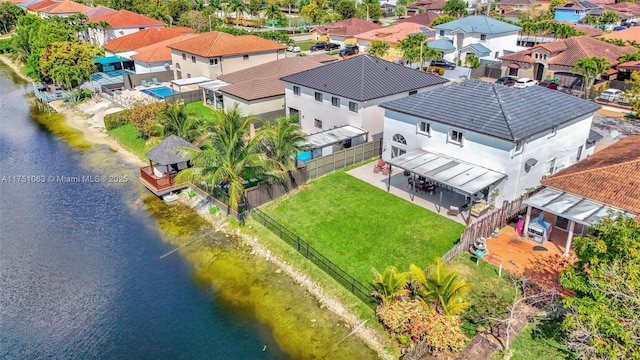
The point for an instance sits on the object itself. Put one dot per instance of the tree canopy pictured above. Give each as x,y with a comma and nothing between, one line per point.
9,15
455,8
603,321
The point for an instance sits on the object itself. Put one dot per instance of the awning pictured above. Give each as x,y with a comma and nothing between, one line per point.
333,136
464,177
514,66
579,209
213,85
108,60
190,81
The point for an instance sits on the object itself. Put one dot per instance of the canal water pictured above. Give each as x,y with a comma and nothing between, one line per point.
82,272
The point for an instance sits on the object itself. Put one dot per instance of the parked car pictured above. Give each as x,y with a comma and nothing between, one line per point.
549,85
318,46
349,50
610,95
524,82
331,46
443,64
293,48
506,80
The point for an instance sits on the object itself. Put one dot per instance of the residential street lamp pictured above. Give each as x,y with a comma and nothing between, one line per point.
421,60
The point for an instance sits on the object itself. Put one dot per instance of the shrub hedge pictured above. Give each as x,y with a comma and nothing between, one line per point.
115,120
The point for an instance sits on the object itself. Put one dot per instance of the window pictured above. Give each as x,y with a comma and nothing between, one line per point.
396,151
193,59
579,153
296,90
245,57
399,139
576,12
483,37
424,128
549,167
353,106
553,131
413,92
455,137
562,223
441,32
519,147
213,61
184,56
496,54
335,101
318,96
179,74
177,65
317,123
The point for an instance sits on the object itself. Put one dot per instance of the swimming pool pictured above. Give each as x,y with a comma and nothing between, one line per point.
159,92
304,156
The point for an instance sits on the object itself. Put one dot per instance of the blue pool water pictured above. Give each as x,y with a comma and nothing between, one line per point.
304,156
159,92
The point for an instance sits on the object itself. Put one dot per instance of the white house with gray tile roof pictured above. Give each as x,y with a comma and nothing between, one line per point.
476,136
480,35
347,92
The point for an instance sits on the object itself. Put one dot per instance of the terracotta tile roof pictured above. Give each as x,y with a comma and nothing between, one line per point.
263,81
427,4
349,27
42,4
159,52
64,7
630,34
144,38
610,176
127,19
394,33
424,19
629,65
214,43
566,52
98,11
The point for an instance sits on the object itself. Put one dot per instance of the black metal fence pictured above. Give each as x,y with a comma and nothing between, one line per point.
349,282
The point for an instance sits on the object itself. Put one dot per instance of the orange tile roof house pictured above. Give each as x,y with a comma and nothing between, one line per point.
98,11
554,60
582,194
343,32
629,35
391,35
532,39
156,57
214,53
63,8
424,19
121,23
258,90
143,38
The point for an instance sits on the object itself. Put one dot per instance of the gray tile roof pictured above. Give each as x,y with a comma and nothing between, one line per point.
165,153
494,109
364,78
479,24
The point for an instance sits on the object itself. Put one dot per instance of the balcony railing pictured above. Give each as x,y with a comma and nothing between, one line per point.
158,183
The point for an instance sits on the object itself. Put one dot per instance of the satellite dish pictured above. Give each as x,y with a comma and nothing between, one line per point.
614,134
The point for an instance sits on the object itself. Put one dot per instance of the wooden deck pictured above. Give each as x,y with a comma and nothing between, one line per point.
159,185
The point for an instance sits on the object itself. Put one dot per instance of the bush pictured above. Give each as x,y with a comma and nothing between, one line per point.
116,120
5,46
82,94
144,115
436,69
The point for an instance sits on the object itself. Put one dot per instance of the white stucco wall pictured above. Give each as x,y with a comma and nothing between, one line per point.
496,42
146,68
491,152
225,65
369,116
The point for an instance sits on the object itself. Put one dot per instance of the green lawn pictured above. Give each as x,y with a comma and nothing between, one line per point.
304,45
130,138
537,341
199,109
358,226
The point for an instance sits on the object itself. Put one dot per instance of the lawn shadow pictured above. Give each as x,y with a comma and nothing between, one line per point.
551,333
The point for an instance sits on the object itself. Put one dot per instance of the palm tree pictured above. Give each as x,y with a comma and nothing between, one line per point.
587,68
391,285
441,288
239,7
378,49
230,156
272,12
175,120
281,140
430,54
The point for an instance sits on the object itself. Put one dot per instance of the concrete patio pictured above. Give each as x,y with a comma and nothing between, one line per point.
439,202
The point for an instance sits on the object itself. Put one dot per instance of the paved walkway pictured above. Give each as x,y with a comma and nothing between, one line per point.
439,202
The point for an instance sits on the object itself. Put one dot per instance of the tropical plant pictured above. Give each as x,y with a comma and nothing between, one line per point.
237,6
9,15
442,19
440,288
391,285
401,10
603,317
345,8
635,56
176,120
590,68
282,140
455,8
608,18
369,10
273,13
378,49
411,45
229,155
472,61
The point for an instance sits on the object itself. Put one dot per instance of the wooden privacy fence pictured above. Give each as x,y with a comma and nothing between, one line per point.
341,159
486,225
264,192
349,282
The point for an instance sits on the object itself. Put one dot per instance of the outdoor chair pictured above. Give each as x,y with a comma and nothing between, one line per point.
144,83
155,81
386,169
378,166
453,211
